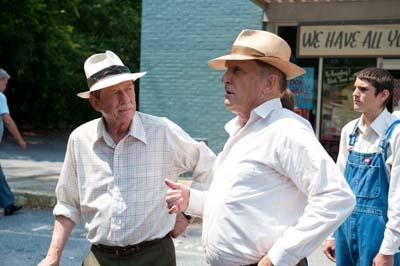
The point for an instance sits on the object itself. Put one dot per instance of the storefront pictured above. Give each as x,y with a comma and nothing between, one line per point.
333,40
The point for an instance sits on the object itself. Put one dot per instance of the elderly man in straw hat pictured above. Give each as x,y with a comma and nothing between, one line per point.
276,194
114,170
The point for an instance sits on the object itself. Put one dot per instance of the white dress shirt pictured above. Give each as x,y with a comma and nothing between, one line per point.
118,190
368,142
275,191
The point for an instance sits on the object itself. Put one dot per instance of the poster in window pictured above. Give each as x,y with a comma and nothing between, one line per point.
303,89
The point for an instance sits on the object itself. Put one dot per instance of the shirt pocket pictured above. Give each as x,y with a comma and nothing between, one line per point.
364,180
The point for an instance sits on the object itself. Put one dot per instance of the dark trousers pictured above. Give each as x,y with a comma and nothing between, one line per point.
159,253
6,196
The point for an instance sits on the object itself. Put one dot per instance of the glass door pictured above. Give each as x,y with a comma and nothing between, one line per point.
337,98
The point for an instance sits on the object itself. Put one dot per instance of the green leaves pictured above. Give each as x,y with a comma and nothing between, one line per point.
43,45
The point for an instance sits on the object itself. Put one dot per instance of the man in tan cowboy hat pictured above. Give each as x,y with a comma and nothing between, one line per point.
276,194
114,170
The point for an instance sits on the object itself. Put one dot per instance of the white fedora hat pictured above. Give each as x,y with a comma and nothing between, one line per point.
264,46
104,70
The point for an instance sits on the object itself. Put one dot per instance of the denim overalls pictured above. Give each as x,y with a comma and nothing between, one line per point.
359,238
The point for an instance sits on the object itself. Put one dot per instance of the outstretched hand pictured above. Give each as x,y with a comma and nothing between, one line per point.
22,144
177,197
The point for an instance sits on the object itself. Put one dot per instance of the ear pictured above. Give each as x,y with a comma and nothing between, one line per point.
273,85
385,94
95,103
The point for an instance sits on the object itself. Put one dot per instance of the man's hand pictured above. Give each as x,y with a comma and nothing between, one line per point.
329,249
383,260
177,197
62,229
180,227
22,144
49,261
265,261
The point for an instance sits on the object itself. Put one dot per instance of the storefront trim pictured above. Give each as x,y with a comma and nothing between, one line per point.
319,98
352,39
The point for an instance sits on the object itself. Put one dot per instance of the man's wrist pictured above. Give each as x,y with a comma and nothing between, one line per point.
188,217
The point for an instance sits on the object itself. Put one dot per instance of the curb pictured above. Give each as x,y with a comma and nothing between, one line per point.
35,199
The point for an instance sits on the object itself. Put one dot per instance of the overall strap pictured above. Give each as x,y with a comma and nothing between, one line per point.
385,140
353,136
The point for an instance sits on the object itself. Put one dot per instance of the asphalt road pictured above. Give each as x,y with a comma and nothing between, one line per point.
25,237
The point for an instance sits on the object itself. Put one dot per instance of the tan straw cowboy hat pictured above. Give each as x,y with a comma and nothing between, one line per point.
104,70
264,46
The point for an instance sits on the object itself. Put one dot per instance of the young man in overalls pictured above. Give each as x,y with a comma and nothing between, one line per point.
369,158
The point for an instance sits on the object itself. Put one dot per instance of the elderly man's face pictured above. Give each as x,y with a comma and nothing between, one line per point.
243,85
116,103
3,84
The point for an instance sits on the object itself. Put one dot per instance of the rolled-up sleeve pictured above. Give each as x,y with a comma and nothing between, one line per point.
192,155
67,190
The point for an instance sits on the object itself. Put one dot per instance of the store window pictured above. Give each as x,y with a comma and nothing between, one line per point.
396,89
337,102
393,66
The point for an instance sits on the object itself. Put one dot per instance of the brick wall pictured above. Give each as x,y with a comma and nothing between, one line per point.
178,38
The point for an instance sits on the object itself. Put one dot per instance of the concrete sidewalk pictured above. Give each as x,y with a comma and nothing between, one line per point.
33,173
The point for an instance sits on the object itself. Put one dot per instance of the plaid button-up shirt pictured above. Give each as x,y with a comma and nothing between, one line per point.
118,190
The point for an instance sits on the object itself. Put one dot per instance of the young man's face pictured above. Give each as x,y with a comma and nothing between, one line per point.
365,100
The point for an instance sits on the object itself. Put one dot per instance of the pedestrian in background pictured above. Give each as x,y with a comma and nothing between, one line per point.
276,194
369,158
113,174
287,100
7,200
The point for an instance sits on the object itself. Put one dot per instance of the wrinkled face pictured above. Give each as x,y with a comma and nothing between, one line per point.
116,103
243,86
365,100
3,84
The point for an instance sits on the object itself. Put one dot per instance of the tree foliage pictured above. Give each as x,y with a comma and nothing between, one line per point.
43,45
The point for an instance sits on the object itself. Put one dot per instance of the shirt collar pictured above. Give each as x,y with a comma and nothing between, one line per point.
136,130
380,123
263,110
267,107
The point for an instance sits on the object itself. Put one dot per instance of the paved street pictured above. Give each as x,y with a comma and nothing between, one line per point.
25,237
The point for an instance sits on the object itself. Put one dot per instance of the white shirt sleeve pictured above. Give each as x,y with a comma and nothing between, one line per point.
391,241
196,202
330,199
343,150
192,155
67,190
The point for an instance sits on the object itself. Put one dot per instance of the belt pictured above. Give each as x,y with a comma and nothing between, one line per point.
127,250
303,262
